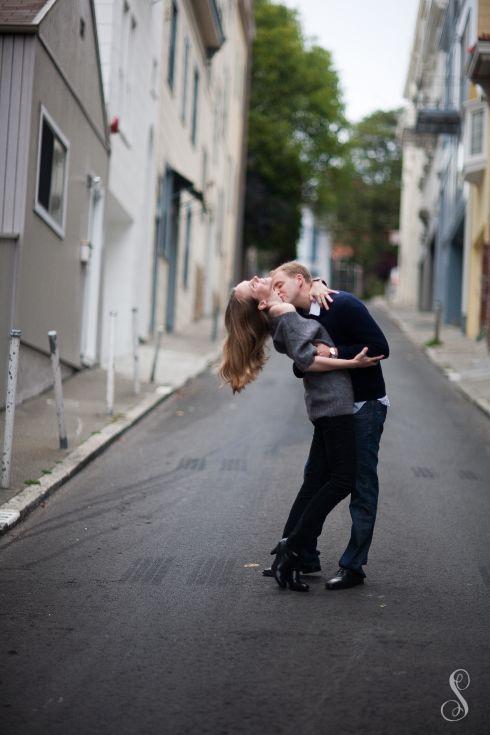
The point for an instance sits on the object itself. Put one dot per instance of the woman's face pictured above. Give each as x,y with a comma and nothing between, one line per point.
259,289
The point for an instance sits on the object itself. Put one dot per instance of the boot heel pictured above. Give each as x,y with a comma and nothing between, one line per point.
295,584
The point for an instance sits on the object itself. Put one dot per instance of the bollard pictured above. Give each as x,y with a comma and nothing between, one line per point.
136,375
437,325
155,356
15,335
58,390
214,331
110,366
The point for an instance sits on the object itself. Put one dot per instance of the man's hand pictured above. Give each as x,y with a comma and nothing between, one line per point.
361,360
321,294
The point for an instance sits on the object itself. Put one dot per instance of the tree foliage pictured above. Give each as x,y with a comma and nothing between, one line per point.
296,115
368,210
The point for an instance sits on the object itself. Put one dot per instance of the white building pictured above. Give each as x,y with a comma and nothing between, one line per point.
203,104
314,246
130,49
434,215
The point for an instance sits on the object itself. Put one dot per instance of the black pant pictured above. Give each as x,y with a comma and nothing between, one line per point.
330,476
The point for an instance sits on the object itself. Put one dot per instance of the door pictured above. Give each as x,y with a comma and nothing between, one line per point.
95,233
173,255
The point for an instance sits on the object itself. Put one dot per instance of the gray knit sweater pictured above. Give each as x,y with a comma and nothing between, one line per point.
326,394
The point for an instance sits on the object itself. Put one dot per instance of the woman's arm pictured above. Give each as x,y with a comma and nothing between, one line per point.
324,364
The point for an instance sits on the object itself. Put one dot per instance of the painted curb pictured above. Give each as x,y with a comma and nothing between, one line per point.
18,507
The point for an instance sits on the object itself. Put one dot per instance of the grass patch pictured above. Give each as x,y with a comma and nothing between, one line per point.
31,482
46,472
433,343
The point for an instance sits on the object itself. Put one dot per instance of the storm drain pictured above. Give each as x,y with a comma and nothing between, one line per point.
467,475
234,465
425,472
148,569
212,571
192,463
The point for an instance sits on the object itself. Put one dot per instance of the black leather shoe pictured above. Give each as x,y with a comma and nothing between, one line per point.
344,579
304,569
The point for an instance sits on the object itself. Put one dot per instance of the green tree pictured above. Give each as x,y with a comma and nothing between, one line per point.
296,115
368,209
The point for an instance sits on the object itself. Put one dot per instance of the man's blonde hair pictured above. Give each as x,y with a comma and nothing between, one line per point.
293,268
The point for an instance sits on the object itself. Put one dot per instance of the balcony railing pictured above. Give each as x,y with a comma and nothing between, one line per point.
437,121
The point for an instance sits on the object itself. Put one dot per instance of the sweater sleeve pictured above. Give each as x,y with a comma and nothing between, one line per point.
358,324
294,335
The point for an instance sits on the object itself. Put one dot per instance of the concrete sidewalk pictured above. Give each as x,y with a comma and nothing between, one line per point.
39,466
465,362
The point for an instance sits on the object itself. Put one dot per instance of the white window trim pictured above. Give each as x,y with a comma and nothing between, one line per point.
38,207
471,107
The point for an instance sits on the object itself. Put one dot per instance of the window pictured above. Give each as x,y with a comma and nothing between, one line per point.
187,246
195,101
126,66
204,179
226,102
51,174
183,112
172,45
154,79
463,54
476,132
448,81
164,203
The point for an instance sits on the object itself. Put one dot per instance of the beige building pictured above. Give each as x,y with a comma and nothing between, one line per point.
54,161
477,171
200,156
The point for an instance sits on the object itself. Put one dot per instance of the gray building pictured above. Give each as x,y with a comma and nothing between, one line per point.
53,161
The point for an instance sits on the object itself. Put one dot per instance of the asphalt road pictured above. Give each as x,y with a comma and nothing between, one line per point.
132,602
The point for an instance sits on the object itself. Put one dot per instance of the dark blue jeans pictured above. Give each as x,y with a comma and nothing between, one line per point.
368,425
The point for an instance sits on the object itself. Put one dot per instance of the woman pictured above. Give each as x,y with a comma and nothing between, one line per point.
254,313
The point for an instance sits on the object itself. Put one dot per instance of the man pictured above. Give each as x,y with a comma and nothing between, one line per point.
351,328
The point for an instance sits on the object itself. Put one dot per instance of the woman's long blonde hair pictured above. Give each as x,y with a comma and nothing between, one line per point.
244,352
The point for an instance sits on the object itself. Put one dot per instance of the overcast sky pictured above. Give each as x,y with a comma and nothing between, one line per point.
370,41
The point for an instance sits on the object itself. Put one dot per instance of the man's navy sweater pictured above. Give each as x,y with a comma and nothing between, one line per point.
351,328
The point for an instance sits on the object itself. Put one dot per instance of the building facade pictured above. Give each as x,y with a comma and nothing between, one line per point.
130,49
200,156
444,215
314,245
54,158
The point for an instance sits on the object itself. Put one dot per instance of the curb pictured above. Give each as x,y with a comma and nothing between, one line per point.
18,507
448,373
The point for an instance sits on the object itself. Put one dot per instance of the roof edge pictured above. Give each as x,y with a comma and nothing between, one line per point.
43,12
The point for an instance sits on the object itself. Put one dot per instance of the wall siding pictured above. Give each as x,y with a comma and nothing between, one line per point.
16,73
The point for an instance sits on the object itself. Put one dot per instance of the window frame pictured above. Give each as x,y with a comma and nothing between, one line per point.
196,83
474,107
172,46
38,207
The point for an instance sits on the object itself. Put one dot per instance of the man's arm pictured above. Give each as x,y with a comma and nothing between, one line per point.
358,324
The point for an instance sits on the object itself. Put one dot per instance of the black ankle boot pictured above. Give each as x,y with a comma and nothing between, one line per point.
285,568
295,583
